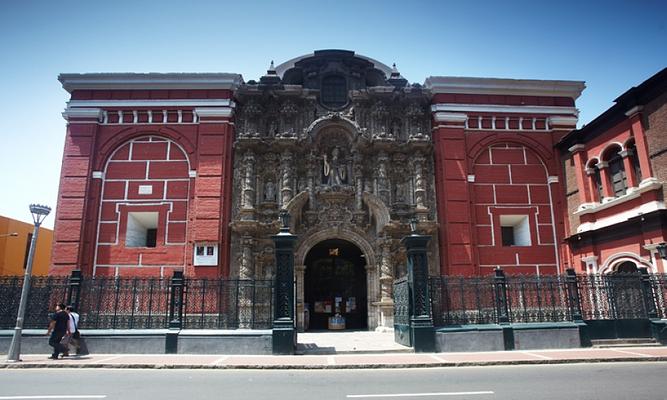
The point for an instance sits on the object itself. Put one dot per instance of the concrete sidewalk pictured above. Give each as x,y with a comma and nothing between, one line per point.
344,361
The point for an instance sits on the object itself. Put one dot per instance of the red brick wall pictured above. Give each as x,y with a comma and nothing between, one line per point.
149,161
655,128
510,179
74,197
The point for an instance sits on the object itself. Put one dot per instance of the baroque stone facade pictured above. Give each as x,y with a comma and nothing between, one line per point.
358,170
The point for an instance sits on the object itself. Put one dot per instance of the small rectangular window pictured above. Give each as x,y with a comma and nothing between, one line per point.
200,250
515,230
210,250
141,229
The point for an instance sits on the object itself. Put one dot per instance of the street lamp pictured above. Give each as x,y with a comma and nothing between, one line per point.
662,250
39,213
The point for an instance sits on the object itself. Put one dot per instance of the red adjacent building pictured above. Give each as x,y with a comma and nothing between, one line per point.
166,172
615,168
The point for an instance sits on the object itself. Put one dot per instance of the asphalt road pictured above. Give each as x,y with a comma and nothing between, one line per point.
571,381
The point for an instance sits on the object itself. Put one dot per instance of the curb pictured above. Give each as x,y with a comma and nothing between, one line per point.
334,367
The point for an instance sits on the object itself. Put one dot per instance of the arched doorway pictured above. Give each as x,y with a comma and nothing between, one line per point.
626,267
335,283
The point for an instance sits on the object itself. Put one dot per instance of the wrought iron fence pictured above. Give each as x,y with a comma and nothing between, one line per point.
462,301
45,293
124,303
228,304
659,287
537,299
475,300
617,296
401,301
141,303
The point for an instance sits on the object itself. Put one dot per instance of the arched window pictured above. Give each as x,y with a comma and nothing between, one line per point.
617,178
334,91
626,267
596,180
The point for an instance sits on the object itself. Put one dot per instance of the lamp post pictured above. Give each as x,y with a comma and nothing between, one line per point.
662,250
39,213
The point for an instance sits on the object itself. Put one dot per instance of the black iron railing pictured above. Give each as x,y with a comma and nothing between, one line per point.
557,298
462,301
142,303
227,304
401,302
45,293
124,303
538,299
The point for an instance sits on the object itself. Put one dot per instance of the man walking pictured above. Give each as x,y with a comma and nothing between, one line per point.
58,327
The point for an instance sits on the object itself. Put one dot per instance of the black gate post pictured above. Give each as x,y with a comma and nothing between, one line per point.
647,294
500,291
284,331
573,295
175,312
502,308
74,289
574,303
422,333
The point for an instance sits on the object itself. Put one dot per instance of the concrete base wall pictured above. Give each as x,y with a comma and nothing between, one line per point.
150,341
521,337
469,338
212,342
546,338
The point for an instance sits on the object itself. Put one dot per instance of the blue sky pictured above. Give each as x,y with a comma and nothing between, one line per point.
612,45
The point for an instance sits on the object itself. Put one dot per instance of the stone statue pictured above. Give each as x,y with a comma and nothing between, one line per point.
335,171
269,191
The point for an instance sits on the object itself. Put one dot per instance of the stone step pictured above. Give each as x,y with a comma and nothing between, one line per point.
624,342
332,350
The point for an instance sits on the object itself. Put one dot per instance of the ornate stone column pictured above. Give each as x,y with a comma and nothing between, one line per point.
386,303
248,198
358,182
286,190
246,268
299,274
381,180
420,184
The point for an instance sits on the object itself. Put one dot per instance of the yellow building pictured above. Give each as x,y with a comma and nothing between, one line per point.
14,249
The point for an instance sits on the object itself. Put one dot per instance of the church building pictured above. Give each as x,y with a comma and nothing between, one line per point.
189,171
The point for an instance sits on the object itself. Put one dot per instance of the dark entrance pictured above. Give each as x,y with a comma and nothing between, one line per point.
335,284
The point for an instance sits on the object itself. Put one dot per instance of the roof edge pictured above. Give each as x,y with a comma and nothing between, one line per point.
502,86
147,81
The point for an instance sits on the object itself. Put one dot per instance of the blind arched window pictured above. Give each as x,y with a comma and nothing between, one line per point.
334,91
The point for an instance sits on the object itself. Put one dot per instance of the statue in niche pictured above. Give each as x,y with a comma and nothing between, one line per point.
269,191
335,170
272,128
396,128
400,192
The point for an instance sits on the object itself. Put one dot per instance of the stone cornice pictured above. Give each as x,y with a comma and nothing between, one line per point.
503,109
148,81
519,87
83,113
568,122
214,112
450,117
150,103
